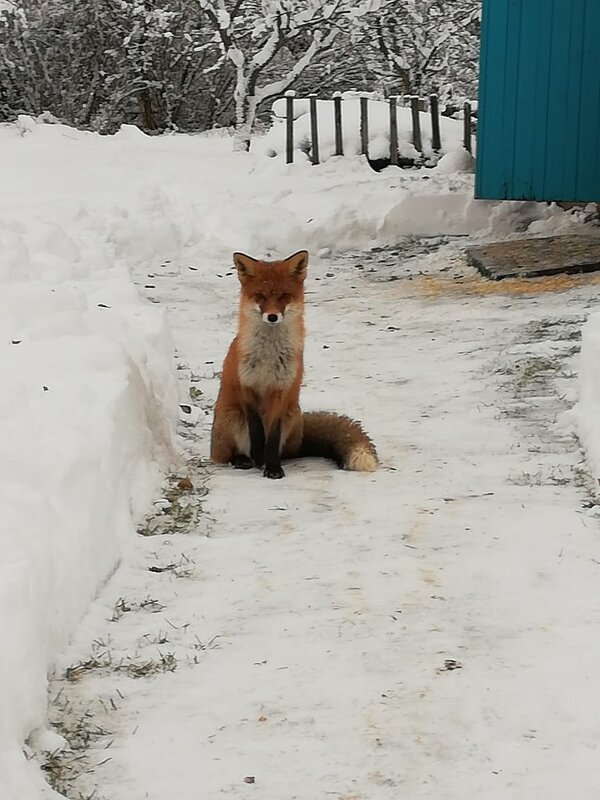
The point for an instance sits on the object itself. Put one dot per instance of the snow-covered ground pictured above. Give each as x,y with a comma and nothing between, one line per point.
589,393
428,628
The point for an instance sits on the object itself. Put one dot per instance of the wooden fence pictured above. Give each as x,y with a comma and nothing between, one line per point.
416,105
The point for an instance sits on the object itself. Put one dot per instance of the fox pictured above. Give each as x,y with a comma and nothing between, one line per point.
257,418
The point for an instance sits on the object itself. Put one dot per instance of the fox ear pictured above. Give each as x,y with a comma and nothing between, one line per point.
244,265
297,264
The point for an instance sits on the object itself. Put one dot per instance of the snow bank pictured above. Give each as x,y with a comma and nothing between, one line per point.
379,115
86,425
589,392
456,161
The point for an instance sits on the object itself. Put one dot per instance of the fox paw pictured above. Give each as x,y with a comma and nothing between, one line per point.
242,462
273,472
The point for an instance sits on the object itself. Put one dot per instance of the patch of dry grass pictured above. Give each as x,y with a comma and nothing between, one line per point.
435,286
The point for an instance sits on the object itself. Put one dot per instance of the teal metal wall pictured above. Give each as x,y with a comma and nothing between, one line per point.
539,101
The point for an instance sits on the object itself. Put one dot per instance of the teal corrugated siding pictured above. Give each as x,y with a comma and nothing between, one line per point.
539,101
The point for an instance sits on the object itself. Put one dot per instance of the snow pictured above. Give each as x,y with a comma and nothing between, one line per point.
273,144
87,419
313,621
223,18
456,161
340,602
589,393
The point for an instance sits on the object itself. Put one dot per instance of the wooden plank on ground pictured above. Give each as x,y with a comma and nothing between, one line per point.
531,258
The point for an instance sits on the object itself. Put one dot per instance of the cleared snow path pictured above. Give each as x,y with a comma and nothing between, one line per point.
428,630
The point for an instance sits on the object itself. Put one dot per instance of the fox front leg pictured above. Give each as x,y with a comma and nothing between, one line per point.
256,431
273,467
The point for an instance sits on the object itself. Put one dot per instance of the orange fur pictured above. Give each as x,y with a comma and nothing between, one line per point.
257,417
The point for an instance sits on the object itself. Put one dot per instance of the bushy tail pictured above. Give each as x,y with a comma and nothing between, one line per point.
340,438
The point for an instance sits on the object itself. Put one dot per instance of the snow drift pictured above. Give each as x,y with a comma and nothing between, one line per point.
86,424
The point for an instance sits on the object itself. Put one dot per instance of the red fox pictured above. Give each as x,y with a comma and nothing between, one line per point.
257,419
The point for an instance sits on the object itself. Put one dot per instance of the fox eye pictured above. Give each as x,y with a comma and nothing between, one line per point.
260,298
285,297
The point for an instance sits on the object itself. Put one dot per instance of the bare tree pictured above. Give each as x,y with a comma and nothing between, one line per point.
254,34
100,63
192,64
427,45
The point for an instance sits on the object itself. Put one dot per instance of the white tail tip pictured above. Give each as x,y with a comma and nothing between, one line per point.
361,460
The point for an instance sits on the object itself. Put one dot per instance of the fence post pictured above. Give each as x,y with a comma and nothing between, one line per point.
337,119
364,126
393,132
416,123
314,129
436,139
289,126
467,126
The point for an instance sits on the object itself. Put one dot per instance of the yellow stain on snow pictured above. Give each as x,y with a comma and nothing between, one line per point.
439,286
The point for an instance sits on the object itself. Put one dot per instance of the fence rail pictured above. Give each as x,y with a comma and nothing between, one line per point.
416,104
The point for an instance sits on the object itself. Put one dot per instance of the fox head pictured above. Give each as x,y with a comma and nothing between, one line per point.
272,289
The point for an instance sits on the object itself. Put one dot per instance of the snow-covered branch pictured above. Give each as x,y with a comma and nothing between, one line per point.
254,36
191,64
279,87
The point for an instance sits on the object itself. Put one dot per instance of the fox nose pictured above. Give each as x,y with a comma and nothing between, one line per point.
272,318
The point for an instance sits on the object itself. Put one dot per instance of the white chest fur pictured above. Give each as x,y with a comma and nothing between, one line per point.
268,353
